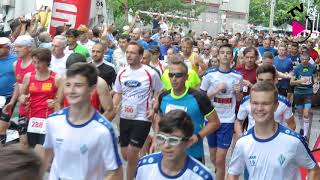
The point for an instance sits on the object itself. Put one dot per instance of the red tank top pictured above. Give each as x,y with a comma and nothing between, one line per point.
40,92
95,101
20,72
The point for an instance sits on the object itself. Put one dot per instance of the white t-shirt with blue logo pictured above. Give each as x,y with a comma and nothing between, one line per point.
278,157
225,101
149,167
283,112
81,152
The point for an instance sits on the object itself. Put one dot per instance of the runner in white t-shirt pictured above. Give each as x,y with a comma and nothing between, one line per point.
119,55
283,114
173,138
59,57
222,86
133,88
75,153
269,150
155,62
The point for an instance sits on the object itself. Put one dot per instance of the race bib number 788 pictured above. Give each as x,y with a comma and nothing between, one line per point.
37,125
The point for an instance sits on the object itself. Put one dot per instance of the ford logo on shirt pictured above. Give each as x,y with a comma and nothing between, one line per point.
132,83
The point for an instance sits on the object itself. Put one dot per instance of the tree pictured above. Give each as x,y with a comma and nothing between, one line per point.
259,12
176,7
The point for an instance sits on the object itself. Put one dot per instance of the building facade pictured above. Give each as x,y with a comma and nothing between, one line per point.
222,16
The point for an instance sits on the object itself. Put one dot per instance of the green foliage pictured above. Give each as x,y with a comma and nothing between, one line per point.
172,7
259,12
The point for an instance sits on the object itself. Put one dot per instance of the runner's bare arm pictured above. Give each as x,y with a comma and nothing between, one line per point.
155,123
24,88
315,78
116,102
291,123
238,128
283,75
57,101
47,159
199,61
59,98
23,28
15,33
151,112
239,94
294,82
233,177
105,99
212,126
212,93
314,174
156,117
115,174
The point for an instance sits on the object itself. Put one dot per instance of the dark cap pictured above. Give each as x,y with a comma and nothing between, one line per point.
72,32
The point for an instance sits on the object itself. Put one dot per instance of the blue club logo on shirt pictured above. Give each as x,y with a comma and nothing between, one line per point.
281,159
253,160
83,148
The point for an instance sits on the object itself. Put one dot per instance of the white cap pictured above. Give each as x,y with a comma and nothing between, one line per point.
24,40
4,41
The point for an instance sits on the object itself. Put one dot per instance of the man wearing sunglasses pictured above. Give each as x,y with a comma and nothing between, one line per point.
195,103
173,139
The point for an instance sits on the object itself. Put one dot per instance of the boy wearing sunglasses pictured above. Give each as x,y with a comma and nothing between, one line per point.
173,139
195,103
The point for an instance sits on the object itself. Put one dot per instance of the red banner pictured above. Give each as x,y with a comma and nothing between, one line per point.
73,12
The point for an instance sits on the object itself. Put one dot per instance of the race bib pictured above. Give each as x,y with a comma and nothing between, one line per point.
223,102
2,101
12,135
129,111
308,80
37,125
245,89
171,107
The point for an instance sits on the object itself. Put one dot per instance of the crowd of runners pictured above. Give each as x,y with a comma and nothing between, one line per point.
93,104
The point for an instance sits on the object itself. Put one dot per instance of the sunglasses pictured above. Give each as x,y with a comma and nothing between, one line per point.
171,140
207,49
177,75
